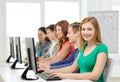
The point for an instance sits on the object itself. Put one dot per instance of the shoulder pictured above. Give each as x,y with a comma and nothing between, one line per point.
103,48
102,45
68,43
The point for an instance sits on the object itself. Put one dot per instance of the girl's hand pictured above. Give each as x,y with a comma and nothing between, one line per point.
60,75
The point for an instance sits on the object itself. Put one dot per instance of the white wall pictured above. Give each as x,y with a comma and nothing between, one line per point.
3,36
99,5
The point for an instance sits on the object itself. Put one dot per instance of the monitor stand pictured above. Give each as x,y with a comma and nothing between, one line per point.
17,65
29,75
10,59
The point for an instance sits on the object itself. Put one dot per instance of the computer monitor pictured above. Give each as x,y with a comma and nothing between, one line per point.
12,50
18,49
17,46
30,48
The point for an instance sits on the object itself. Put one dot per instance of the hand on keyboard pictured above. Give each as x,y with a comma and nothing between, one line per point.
48,77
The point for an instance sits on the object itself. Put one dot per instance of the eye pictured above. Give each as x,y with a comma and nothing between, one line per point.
90,29
83,29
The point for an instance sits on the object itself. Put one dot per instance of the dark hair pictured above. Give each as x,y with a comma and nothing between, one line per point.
50,27
44,31
64,27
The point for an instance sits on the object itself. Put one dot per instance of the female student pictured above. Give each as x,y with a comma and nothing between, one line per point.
54,45
93,55
43,44
66,47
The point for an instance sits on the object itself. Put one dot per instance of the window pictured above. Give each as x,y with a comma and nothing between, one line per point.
56,11
23,19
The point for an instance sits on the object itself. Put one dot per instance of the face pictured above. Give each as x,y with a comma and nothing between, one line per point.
71,35
41,35
59,32
50,34
88,32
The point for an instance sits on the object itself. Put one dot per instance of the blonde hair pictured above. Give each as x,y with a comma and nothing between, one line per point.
75,27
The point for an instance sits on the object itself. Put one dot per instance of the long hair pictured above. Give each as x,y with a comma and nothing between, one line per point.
94,22
64,27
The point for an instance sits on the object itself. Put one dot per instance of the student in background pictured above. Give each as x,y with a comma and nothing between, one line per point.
93,55
54,45
66,47
73,35
43,44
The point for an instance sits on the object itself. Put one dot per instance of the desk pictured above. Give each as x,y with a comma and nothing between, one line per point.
13,75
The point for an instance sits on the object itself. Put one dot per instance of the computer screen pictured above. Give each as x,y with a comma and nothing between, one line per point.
30,48
11,42
11,49
18,49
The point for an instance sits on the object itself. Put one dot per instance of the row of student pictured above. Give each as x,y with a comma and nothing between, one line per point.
60,47
53,44
73,39
89,58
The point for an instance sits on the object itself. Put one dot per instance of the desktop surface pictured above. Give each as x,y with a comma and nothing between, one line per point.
14,75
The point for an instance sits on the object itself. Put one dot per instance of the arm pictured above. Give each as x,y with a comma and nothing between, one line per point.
66,61
94,75
61,55
61,65
68,69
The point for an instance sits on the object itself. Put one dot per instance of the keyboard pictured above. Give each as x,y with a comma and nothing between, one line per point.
46,76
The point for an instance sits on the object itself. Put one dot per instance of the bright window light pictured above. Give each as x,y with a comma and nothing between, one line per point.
23,19
56,11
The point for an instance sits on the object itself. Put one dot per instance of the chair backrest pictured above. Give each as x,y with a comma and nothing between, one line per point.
108,69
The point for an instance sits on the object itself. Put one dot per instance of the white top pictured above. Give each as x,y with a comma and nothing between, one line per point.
52,45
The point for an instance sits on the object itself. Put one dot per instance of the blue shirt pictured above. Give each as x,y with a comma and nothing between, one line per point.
42,50
67,62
